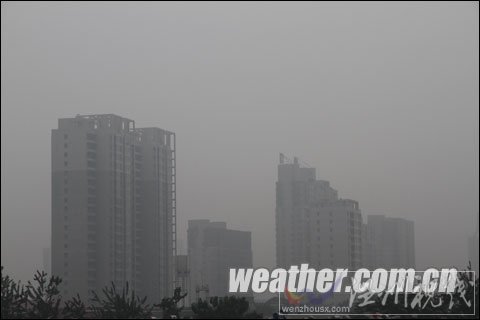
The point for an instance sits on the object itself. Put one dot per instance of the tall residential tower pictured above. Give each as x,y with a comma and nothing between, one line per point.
212,251
392,242
313,225
113,206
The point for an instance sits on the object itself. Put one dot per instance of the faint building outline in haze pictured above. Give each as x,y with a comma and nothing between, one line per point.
212,251
313,225
391,242
473,241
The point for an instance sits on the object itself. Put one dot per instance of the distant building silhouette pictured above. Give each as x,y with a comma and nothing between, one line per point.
113,206
473,248
312,224
391,242
368,258
212,251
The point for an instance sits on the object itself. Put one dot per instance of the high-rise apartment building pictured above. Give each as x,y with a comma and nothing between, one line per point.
392,242
113,206
212,251
368,259
313,225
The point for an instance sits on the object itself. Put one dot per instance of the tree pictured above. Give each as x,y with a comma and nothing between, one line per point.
38,299
13,298
43,299
230,307
114,305
74,308
169,305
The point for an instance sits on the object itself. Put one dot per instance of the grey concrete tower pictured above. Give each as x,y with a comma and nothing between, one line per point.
313,225
113,205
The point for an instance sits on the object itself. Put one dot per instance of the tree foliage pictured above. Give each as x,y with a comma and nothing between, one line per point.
74,308
230,307
170,305
41,299
13,298
43,296
38,299
120,305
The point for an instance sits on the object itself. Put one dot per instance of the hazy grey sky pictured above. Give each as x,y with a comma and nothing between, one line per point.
382,98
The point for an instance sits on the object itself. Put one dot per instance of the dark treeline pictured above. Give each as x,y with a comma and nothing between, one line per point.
41,299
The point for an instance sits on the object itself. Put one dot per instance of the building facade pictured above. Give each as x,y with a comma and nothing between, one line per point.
113,206
212,251
473,248
313,225
392,242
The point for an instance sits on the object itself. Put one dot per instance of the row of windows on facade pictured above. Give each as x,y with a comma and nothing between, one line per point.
119,146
